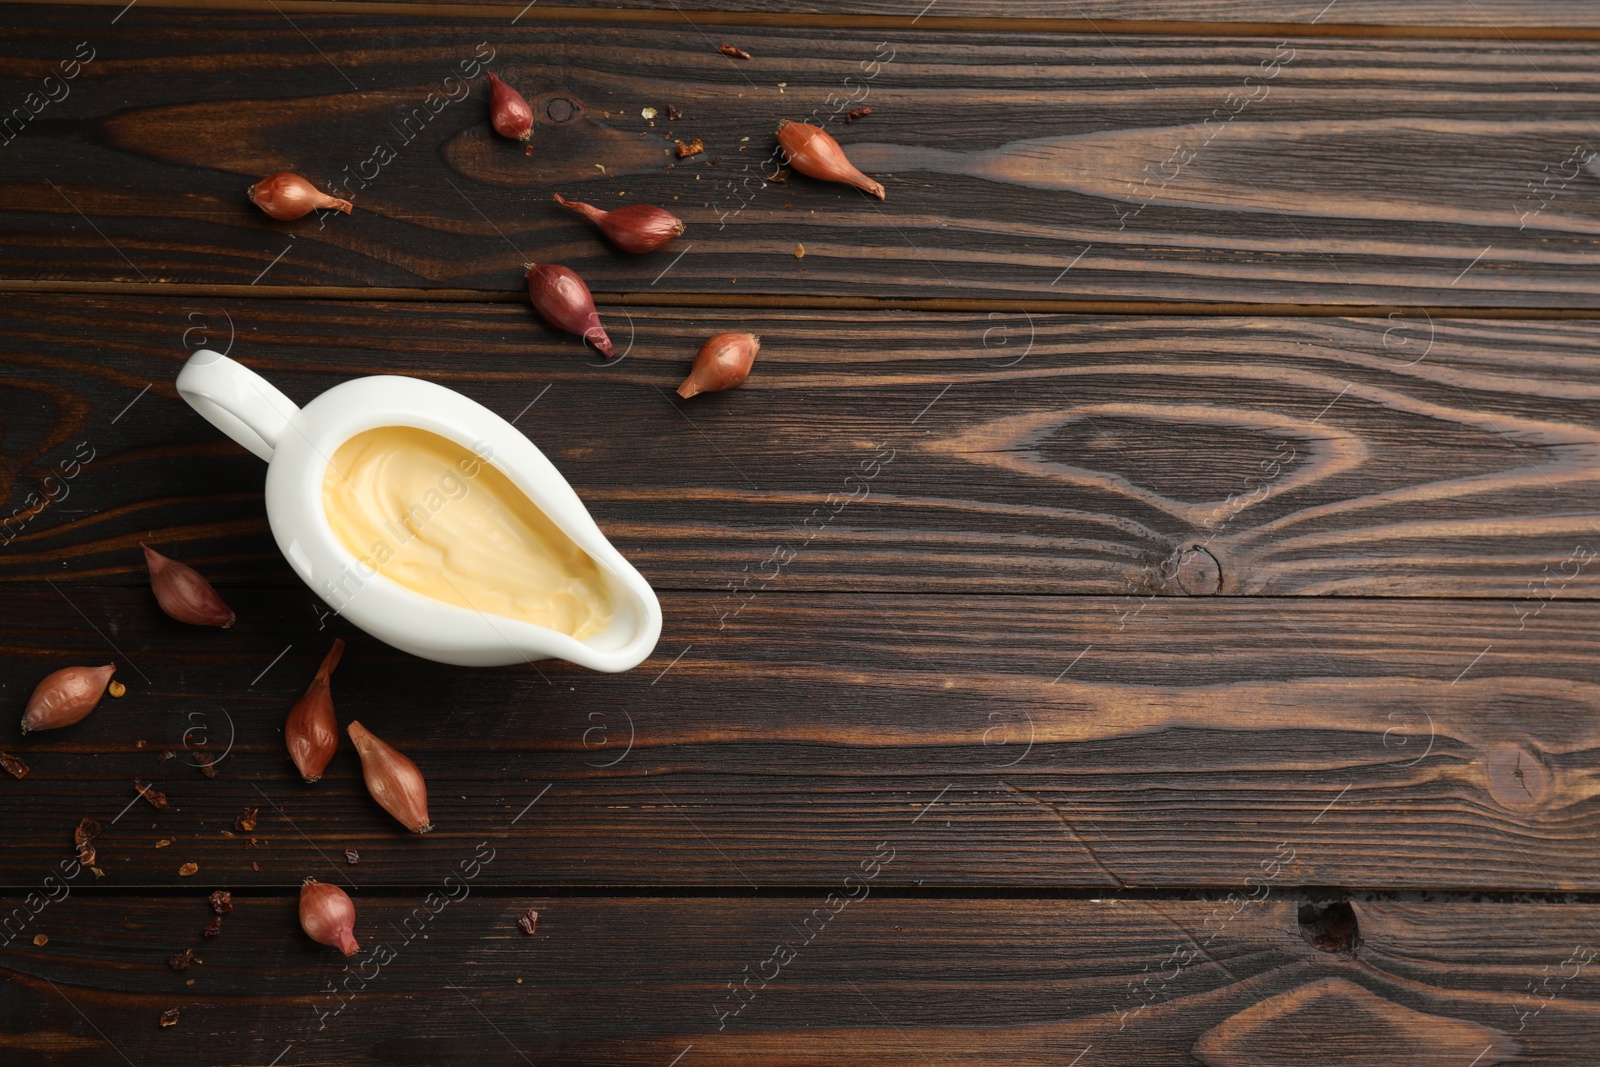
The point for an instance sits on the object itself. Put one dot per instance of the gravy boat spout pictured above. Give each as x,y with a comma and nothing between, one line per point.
477,552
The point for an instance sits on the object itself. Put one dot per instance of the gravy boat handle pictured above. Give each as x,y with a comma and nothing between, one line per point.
236,400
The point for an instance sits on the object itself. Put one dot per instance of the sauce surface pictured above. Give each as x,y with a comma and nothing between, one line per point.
425,512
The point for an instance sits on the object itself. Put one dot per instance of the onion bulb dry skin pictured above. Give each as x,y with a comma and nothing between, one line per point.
635,228
287,197
312,732
724,362
811,151
562,299
184,594
392,779
65,697
510,114
328,916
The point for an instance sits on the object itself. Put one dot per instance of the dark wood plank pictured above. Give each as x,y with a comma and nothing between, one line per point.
888,981
1511,19
1029,453
1000,741
1339,172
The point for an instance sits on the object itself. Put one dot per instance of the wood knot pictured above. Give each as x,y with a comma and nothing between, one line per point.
1199,573
1330,929
558,110
1517,777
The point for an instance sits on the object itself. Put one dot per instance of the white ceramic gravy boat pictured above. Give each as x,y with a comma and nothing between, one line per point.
297,444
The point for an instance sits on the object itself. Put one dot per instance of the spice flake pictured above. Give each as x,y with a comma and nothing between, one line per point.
157,799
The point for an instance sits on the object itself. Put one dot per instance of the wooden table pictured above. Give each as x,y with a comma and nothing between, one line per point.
1141,609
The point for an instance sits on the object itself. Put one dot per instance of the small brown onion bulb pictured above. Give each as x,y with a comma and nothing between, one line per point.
723,362
328,916
287,197
183,594
509,113
65,697
312,732
635,228
563,300
392,779
811,151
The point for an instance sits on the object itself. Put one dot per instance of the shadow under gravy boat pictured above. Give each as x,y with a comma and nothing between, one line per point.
298,445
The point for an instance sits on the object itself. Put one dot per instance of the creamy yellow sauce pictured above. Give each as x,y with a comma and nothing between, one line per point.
423,511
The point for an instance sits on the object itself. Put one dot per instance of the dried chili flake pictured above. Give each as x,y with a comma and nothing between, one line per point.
166,755
180,961
222,902
203,761
352,856
731,52
674,114
246,822
188,869
157,799
213,928
13,765
529,922
85,833
858,113
169,1017
692,148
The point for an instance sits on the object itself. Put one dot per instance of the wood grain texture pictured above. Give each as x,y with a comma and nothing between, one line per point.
1496,16
1023,454
1341,171
996,741
903,983
1501,19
